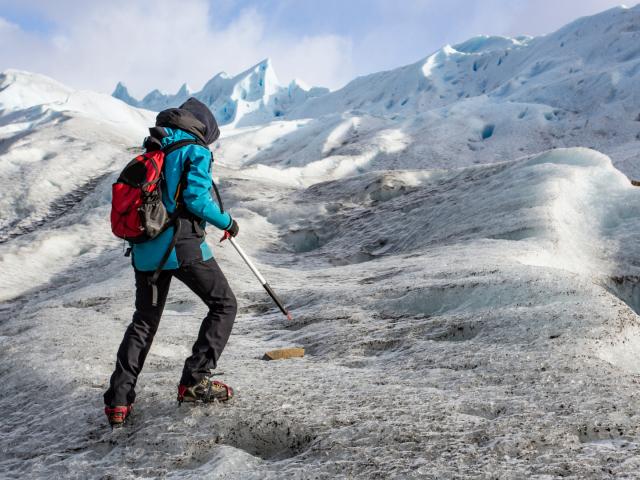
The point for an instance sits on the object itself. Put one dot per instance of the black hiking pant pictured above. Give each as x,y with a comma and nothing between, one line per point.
207,281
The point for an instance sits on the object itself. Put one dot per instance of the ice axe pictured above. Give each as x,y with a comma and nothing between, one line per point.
261,279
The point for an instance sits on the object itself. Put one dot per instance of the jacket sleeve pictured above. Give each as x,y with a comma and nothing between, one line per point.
197,195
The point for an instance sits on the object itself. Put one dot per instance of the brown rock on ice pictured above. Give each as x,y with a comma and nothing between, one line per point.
283,353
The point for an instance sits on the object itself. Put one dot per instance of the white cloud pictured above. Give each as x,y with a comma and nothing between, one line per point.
323,60
413,29
163,44
539,17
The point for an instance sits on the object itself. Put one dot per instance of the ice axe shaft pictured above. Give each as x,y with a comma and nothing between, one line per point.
259,276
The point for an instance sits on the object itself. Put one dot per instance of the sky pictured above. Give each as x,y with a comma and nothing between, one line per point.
162,44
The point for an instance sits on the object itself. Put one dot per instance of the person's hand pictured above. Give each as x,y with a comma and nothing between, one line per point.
231,231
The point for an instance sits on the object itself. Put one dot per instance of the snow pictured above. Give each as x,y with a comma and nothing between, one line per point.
61,146
21,90
467,305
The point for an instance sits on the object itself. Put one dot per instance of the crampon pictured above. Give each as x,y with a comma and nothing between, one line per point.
117,415
206,391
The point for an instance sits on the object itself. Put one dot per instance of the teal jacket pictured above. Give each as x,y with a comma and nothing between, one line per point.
198,200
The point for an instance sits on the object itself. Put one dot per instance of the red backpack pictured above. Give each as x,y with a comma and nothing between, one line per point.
137,211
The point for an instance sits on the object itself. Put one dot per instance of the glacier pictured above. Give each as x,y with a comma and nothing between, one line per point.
251,97
463,272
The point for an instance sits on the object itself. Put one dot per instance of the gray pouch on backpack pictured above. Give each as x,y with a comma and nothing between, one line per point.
154,216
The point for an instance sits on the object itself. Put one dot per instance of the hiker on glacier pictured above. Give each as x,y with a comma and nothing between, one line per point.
184,134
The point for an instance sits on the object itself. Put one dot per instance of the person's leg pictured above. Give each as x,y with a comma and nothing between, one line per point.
137,339
207,281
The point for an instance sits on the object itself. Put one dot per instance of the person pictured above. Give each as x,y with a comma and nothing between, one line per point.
187,184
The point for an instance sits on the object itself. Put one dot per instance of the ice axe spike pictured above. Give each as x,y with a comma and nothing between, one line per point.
261,279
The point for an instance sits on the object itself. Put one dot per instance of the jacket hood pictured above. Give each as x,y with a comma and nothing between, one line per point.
192,116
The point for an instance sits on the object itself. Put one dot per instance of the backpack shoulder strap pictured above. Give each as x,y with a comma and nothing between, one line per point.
181,143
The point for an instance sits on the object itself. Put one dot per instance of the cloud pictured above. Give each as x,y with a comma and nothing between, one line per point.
400,33
163,44
537,17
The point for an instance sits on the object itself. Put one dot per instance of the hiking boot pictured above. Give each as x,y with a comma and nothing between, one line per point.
117,415
206,391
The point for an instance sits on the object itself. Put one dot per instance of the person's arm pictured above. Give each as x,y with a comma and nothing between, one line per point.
197,194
